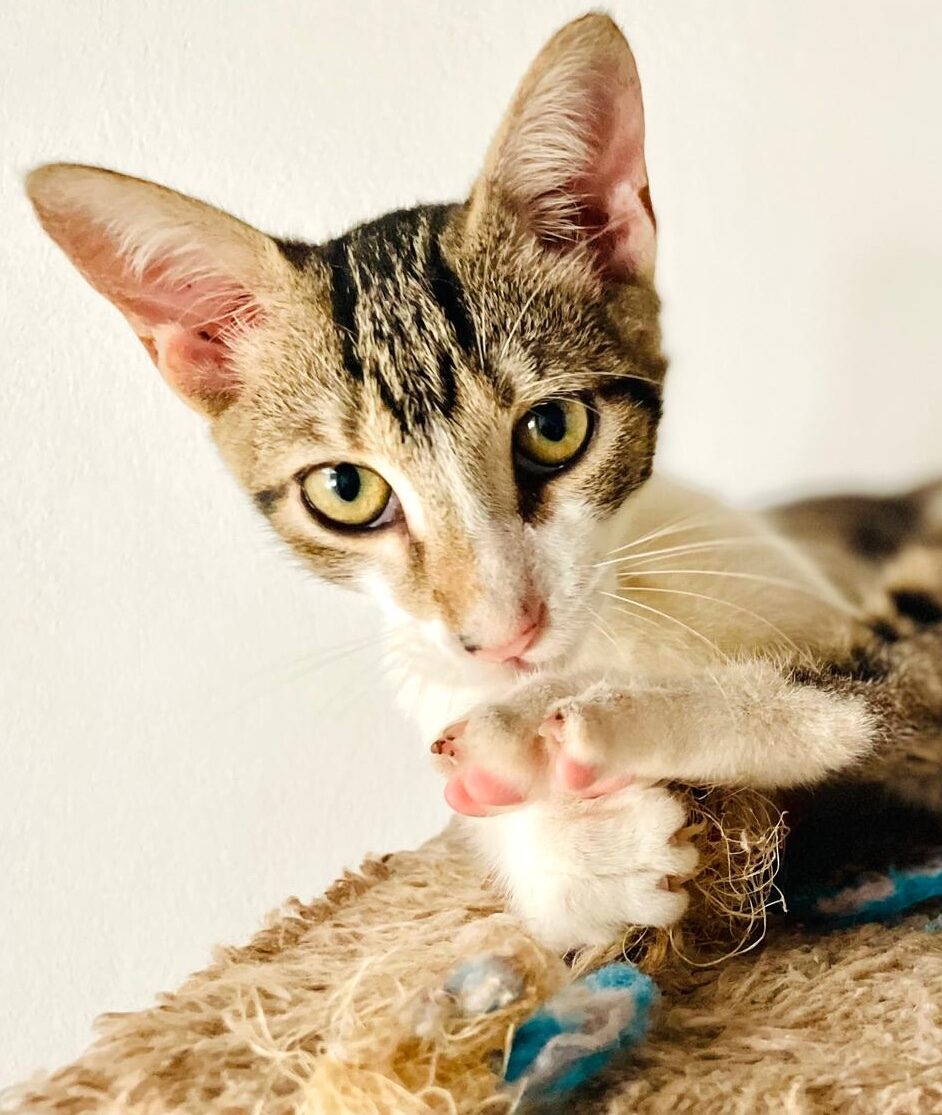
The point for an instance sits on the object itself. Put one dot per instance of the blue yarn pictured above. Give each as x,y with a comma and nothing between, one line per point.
529,1040
618,995
849,904
580,1073
910,887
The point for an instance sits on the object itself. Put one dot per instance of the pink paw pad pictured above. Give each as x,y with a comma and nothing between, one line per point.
571,774
608,786
461,801
476,790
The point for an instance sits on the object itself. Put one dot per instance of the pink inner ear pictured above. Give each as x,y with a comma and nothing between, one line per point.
196,366
192,324
615,209
186,315
620,182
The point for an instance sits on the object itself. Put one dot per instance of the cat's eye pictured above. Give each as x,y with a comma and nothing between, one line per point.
551,435
348,496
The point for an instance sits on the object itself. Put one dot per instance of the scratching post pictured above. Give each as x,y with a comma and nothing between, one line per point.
404,989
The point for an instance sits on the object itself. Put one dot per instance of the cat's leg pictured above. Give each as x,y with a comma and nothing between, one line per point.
495,756
749,723
581,841
875,713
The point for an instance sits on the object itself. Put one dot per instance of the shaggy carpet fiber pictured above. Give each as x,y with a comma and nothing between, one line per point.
337,1007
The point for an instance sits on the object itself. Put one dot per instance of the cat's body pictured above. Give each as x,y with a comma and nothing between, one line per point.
455,408
799,623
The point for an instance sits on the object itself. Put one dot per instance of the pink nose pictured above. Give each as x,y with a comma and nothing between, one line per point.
532,621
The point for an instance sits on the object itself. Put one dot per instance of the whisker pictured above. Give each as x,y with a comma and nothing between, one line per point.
484,320
736,607
758,578
605,629
310,665
692,547
276,668
673,637
679,525
672,619
632,375
541,287
659,627
724,694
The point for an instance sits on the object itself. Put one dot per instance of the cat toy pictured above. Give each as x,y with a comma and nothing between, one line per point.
569,1039
872,895
579,1031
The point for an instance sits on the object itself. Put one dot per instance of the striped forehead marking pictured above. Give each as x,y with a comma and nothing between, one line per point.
402,313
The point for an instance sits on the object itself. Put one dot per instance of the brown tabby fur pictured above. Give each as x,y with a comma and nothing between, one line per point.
419,339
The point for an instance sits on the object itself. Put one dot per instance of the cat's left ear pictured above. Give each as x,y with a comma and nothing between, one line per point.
569,156
191,280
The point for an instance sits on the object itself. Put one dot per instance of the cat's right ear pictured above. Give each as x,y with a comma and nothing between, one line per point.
190,279
569,156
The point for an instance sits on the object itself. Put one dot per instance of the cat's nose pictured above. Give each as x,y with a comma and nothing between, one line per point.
530,625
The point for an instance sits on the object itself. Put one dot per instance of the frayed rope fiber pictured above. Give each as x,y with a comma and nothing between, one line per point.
355,1004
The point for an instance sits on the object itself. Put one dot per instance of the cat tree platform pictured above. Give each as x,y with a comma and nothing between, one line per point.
337,1006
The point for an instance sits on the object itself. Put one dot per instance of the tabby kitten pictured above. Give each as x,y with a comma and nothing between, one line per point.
454,408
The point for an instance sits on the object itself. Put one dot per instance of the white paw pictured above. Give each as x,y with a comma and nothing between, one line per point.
580,872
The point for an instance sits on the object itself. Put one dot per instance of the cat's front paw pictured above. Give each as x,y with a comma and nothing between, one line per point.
493,758
579,872
598,740
535,745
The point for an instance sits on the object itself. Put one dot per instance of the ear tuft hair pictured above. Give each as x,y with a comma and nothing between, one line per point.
190,279
569,155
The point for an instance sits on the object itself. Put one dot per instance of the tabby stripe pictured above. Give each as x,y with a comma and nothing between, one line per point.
921,607
447,290
343,302
637,390
296,252
267,498
448,382
395,405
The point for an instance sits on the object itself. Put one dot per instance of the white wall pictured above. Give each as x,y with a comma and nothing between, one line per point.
173,759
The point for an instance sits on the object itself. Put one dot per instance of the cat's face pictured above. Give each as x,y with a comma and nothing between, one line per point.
444,407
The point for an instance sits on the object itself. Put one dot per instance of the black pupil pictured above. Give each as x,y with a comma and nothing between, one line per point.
346,482
549,420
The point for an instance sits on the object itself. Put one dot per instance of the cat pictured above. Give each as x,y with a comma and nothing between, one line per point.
455,409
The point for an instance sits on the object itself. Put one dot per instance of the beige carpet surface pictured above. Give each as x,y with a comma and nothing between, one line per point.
847,1022
337,1007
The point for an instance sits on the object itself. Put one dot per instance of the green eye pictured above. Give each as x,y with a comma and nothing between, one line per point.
347,495
552,434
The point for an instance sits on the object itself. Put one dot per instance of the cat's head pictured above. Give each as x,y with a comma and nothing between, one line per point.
446,406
